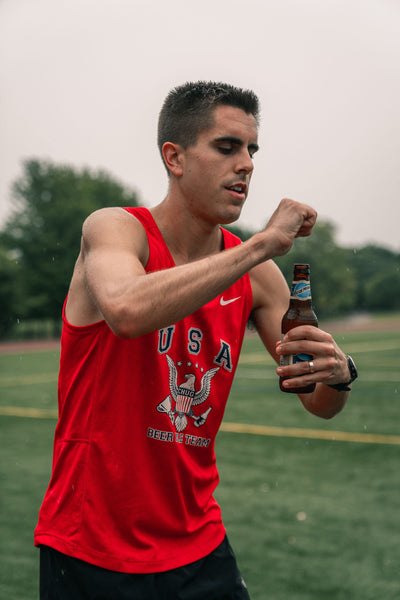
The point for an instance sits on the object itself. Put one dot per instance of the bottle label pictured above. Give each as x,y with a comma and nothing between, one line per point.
301,290
292,359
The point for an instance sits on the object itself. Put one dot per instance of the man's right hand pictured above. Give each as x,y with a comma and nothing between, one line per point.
290,220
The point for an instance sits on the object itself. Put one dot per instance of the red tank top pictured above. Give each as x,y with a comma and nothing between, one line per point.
134,467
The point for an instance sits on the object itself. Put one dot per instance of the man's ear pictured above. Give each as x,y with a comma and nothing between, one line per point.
173,157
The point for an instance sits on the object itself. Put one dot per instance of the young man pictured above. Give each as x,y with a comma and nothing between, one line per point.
153,326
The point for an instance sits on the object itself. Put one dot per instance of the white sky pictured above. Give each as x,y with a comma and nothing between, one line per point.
82,82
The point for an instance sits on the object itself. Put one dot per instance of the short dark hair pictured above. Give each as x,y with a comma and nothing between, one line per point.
188,110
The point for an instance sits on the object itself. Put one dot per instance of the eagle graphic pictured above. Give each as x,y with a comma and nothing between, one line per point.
185,396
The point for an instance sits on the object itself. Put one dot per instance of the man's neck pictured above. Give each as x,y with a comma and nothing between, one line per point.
188,237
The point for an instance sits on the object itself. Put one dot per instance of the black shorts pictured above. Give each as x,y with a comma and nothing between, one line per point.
214,577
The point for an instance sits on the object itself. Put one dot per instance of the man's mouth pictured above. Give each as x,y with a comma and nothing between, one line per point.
238,188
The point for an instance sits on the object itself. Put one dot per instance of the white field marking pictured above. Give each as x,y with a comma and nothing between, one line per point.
373,346
255,358
269,373
380,376
256,373
265,358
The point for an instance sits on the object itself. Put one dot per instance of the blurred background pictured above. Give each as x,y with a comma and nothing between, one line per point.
311,506
82,83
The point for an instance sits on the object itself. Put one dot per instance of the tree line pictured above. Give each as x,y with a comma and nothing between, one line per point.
39,244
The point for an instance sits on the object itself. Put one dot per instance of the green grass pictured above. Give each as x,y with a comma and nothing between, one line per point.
308,518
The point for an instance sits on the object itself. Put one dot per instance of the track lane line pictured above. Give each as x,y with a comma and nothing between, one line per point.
318,434
265,430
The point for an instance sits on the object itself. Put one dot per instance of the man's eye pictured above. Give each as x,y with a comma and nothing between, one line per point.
225,149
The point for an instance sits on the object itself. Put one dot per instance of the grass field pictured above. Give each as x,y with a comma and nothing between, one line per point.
311,506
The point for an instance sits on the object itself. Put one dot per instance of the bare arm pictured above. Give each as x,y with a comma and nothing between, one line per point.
133,302
271,299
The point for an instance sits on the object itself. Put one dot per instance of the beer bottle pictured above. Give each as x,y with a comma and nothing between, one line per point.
300,312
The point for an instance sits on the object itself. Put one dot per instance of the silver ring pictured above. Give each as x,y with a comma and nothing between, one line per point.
311,366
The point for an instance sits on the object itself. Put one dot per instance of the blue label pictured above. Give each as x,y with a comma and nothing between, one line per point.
301,358
301,290
292,359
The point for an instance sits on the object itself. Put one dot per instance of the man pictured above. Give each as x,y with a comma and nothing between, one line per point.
153,325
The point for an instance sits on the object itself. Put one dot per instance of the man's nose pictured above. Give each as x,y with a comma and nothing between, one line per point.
244,163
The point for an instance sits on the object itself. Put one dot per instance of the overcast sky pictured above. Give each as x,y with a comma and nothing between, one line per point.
82,82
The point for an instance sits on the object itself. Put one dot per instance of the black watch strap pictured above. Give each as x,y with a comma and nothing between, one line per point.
344,387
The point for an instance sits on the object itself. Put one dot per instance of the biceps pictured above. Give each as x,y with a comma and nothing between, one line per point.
109,274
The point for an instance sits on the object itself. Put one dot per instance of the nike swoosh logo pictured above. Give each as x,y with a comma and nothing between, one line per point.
225,302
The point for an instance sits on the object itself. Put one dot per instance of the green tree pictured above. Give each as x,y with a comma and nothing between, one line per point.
382,291
44,231
9,293
372,267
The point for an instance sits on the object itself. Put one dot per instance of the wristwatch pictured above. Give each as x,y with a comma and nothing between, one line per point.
344,387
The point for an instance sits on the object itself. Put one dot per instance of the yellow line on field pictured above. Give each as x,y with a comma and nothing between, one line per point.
317,434
33,413
28,379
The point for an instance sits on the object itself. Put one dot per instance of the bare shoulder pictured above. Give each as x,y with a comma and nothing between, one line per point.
116,228
114,247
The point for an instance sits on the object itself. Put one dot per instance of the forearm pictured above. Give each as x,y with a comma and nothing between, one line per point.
150,301
134,303
324,402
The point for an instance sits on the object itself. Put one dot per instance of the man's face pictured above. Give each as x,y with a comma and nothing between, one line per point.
218,168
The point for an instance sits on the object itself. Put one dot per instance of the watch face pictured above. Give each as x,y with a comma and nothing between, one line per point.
352,369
